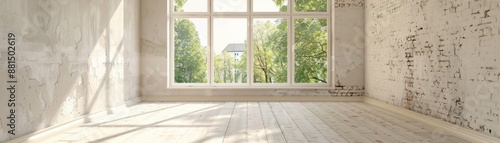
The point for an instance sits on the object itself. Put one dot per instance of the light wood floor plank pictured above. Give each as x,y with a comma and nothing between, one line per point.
394,118
307,128
416,129
255,127
202,124
328,132
237,128
178,118
346,119
372,115
255,122
385,134
218,129
290,130
271,126
345,130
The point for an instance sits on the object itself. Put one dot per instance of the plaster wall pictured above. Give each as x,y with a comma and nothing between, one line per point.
436,57
348,62
73,58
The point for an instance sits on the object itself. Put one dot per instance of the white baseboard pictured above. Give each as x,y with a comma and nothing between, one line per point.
43,134
250,99
467,134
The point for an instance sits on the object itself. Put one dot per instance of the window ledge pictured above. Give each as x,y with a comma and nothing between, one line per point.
251,87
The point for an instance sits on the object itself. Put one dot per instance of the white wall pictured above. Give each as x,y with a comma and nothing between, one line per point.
348,70
438,58
73,58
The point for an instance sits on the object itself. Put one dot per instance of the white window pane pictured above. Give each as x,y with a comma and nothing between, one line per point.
310,5
190,50
230,5
270,56
191,6
311,50
270,6
230,49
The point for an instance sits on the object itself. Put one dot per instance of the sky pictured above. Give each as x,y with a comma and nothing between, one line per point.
226,30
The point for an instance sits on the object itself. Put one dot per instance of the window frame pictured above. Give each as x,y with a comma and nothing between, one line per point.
249,15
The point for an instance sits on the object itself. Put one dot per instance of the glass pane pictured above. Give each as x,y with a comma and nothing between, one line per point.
270,5
230,61
230,6
270,50
190,50
310,5
190,5
311,48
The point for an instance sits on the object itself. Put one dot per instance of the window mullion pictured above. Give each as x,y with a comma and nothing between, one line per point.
210,52
210,39
250,6
250,51
332,42
291,62
170,75
250,43
291,54
209,9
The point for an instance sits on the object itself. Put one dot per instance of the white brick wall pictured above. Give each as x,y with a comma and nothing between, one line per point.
436,57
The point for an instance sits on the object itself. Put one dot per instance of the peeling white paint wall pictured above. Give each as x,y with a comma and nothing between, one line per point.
440,58
73,58
349,51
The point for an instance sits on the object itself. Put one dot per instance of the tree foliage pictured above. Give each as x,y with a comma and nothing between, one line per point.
190,60
311,50
310,42
311,5
270,56
227,70
178,5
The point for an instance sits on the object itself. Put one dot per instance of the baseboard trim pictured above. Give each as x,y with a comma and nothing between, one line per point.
249,99
467,134
43,134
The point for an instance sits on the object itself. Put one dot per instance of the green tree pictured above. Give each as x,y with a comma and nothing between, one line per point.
311,5
190,61
311,37
227,70
224,65
178,5
270,62
241,68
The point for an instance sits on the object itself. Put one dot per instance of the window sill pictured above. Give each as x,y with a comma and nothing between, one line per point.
251,87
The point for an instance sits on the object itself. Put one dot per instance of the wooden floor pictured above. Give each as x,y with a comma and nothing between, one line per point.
320,122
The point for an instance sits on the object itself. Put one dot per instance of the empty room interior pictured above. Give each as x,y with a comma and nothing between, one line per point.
165,71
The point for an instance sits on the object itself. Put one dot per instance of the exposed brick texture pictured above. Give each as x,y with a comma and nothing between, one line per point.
440,58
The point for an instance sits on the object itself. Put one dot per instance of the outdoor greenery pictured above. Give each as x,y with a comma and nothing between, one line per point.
190,60
270,50
227,70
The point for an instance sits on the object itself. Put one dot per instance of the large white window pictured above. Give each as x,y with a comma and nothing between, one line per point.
250,43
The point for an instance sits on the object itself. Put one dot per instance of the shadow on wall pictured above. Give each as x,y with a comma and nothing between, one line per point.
71,60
